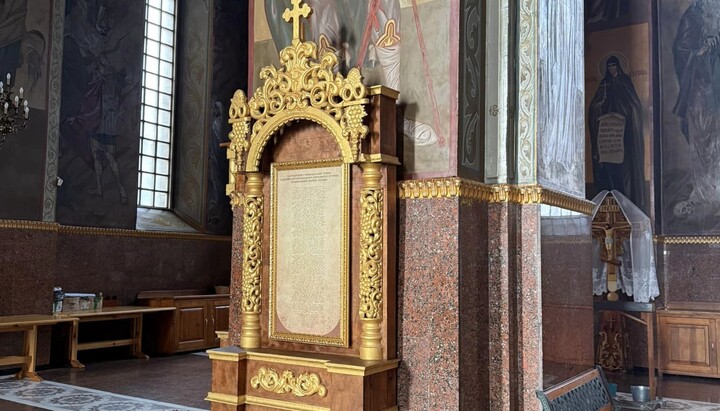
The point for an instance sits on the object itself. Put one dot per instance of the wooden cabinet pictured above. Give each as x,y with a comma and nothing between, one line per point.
193,325
689,341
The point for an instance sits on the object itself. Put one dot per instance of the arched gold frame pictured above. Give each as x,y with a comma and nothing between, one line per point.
303,88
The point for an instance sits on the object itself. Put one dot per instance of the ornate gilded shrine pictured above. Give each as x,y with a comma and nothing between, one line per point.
313,174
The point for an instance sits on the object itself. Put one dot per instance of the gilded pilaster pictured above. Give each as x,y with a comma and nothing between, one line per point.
371,262
252,261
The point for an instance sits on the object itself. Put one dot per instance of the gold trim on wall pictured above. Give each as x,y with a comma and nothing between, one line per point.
455,187
29,225
108,232
700,239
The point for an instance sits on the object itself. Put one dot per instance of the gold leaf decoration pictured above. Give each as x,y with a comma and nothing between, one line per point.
304,385
252,252
303,87
371,206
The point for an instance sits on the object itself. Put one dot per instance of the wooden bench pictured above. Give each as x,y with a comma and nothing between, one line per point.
29,325
134,339
587,392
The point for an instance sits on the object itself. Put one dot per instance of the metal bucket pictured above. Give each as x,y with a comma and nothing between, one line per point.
640,393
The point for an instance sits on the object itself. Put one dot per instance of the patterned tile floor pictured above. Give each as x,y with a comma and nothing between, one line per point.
182,380
55,396
677,404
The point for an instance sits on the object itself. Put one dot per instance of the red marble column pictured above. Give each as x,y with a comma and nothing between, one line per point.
514,306
428,378
528,305
499,267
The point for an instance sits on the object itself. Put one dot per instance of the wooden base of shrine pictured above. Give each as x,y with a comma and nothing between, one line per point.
262,379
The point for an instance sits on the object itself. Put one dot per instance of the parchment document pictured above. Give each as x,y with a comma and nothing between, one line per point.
309,247
611,132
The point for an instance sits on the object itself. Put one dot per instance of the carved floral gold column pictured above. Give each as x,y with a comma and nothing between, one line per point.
371,262
252,261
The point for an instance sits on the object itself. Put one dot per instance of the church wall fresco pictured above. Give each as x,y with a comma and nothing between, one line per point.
619,120
407,45
229,73
689,53
25,54
192,99
100,113
560,100
618,103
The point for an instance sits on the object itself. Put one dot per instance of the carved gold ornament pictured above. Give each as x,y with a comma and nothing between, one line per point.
304,385
251,303
302,88
240,121
454,187
371,262
371,205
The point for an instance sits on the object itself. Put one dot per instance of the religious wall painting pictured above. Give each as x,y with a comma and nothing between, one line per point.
619,123
387,39
25,34
606,14
192,109
689,48
24,47
560,144
100,112
229,73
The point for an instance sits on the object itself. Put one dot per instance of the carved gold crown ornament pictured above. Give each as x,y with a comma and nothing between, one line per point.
303,87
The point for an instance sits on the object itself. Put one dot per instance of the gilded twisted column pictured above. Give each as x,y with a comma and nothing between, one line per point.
252,261
371,262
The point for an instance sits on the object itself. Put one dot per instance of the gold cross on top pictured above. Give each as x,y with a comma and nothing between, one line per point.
294,15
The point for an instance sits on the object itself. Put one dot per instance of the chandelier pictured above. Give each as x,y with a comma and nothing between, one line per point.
14,110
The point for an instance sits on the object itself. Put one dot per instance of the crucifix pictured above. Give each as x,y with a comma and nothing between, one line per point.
294,15
611,228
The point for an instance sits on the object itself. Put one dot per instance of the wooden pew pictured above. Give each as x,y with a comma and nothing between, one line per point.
587,392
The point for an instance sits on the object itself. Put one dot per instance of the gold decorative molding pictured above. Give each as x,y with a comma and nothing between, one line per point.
226,354
252,261
107,232
361,370
304,385
702,239
29,225
450,187
228,399
384,91
371,261
455,187
354,368
302,88
118,232
282,405
240,121
379,158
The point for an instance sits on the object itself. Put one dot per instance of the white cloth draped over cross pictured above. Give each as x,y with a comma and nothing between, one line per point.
637,277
